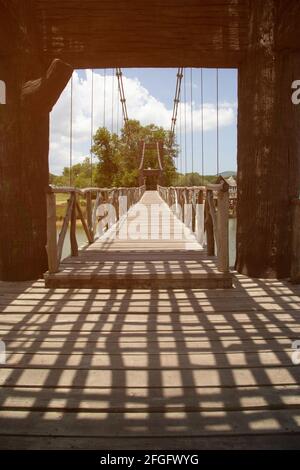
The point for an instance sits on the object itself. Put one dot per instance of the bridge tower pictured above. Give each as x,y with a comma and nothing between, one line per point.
150,176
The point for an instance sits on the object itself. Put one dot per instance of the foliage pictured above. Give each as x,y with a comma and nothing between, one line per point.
194,179
81,175
119,156
119,159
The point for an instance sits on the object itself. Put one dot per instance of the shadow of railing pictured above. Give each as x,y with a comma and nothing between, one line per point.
150,363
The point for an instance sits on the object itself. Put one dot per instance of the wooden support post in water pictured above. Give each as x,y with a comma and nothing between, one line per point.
295,261
51,233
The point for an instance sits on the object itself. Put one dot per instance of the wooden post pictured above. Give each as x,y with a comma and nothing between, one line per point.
116,204
89,214
193,227
209,228
295,261
51,233
222,227
84,224
94,214
73,240
200,217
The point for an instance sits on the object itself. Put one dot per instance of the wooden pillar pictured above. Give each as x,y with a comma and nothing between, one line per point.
51,233
24,144
295,267
268,142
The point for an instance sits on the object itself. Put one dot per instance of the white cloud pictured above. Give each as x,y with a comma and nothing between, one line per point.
141,105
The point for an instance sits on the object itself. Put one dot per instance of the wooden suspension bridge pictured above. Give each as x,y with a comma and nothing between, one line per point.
160,253
144,337
126,345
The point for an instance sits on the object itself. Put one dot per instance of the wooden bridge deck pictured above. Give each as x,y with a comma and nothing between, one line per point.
161,252
179,368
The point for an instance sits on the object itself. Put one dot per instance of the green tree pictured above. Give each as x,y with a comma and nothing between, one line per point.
80,175
119,156
194,179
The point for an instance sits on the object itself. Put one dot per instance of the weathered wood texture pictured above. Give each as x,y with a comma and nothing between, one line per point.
148,248
24,136
169,34
260,37
111,214
268,141
210,218
295,266
212,368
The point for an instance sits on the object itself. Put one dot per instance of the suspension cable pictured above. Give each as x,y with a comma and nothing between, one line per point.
202,126
122,95
176,101
192,123
217,84
185,117
71,133
92,128
112,101
104,97
118,115
180,127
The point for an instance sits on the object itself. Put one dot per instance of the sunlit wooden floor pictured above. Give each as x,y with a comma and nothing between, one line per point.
149,248
150,368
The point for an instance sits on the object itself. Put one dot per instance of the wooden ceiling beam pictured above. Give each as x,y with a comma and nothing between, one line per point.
124,33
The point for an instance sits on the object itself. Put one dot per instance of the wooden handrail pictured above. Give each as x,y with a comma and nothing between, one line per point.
89,220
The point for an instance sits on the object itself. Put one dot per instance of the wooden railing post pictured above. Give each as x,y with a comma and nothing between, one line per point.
295,261
89,213
51,232
222,227
209,226
116,204
200,217
73,239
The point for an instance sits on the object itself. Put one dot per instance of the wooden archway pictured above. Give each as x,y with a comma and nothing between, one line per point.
260,38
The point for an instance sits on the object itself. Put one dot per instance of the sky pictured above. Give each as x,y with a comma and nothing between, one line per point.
149,97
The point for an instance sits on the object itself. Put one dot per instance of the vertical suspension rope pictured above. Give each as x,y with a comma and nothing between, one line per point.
180,127
202,126
192,123
92,127
217,83
71,134
185,116
104,97
112,101
118,111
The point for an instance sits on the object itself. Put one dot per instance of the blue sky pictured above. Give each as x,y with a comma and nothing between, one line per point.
150,93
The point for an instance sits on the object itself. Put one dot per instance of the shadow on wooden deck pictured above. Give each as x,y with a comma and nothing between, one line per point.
150,368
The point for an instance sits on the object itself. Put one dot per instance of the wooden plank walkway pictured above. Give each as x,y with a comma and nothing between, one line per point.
149,248
178,368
